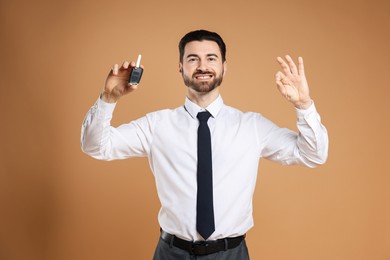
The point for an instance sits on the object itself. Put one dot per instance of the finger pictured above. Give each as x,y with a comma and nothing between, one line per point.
291,64
283,91
282,78
301,67
281,88
284,65
132,65
279,76
125,64
132,87
115,69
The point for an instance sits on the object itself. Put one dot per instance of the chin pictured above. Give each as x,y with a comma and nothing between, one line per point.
203,88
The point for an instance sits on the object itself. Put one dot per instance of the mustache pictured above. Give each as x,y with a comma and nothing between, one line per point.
203,72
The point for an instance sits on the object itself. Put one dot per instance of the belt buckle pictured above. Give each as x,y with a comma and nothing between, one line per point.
199,248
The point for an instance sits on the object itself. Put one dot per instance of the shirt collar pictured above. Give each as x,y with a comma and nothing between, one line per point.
214,108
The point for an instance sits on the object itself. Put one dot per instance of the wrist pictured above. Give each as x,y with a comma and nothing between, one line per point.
304,105
108,98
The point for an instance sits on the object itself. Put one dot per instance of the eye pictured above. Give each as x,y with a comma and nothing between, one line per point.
212,59
192,59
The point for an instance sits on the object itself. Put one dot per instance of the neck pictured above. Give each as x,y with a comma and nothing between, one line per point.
203,99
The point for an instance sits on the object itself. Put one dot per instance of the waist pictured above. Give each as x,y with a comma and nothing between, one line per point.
182,222
202,247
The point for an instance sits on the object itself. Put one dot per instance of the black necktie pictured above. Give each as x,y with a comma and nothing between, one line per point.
204,207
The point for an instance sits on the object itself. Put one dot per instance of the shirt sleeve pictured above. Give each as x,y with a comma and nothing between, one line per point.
104,142
309,147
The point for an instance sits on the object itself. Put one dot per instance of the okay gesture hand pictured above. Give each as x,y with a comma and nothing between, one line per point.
292,83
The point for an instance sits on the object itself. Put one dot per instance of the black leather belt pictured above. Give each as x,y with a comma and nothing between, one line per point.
202,247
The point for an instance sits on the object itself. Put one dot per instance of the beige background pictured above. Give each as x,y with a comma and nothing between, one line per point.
59,204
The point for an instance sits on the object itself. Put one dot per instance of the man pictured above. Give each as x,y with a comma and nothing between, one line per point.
204,155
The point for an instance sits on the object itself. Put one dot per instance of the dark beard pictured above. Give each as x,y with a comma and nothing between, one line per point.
203,87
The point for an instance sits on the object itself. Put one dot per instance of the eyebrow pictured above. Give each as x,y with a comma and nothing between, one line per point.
208,55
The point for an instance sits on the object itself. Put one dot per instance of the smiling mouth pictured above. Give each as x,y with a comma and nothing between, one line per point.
203,76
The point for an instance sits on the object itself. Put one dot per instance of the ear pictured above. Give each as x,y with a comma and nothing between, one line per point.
180,67
224,67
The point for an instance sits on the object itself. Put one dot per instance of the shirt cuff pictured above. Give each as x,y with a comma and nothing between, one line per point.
107,108
304,113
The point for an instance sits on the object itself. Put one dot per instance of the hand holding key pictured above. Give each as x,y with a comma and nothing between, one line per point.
118,80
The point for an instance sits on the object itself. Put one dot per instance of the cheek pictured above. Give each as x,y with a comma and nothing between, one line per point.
219,70
187,70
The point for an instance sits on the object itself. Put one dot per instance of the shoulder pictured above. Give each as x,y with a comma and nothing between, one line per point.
165,113
247,118
235,112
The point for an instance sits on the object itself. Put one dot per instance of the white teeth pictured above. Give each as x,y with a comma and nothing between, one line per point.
203,77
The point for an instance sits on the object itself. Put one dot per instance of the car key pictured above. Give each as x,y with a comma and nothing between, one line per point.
136,72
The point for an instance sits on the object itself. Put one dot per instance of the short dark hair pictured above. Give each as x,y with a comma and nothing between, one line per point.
201,35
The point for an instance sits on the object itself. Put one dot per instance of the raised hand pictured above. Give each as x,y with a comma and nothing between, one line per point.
117,82
292,83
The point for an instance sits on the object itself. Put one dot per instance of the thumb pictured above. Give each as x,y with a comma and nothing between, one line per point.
279,76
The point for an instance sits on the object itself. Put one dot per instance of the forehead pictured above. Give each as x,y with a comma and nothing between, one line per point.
202,47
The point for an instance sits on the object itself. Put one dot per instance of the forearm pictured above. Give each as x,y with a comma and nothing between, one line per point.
312,141
95,130
104,142
309,147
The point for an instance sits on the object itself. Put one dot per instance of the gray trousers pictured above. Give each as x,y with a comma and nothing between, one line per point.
165,252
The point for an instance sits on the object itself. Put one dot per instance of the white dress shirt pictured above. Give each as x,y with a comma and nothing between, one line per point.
169,139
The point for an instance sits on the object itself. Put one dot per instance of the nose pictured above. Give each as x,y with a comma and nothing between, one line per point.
202,65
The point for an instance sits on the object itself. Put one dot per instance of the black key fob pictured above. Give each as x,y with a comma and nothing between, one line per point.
136,73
